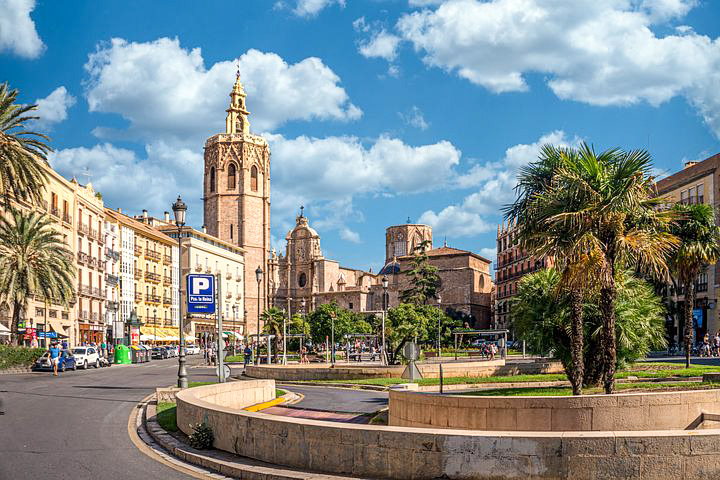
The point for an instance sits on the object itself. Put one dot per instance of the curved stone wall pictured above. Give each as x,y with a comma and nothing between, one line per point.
424,453
348,371
629,411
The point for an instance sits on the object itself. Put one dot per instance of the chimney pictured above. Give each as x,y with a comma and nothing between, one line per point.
204,230
167,217
119,210
690,164
145,215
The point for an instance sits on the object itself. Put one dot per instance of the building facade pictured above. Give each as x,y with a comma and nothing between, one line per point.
513,263
236,196
692,185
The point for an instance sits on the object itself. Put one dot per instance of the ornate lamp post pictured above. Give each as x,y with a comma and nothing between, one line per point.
302,306
439,299
258,277
179,209
385,305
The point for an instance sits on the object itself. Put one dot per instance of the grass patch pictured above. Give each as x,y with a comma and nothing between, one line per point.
167,416
234,358
199,384
279,392
567,391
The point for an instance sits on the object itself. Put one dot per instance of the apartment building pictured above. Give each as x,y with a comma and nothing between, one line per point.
113,321
695,183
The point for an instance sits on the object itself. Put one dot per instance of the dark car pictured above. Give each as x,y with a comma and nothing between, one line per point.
159,352
67,362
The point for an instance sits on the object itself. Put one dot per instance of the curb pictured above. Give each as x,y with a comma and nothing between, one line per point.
16,370
222,462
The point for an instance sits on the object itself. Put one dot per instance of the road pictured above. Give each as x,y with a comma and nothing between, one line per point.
75,426
338,399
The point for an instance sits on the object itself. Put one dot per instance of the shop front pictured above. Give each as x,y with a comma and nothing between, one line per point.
91,333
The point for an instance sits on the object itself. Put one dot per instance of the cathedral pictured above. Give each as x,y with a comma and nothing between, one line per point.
237,210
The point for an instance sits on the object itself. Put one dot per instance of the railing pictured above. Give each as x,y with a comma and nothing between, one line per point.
138,250
152,298
54,211
93,234
110,305
138,273
198,267
66,217
101,265
83,315
228,276
138,296
167,301
238,278
83,229
101,238
110,253
94,316
228,295
167,279
167,259
112,280
92,262
82,258
152,255
152,277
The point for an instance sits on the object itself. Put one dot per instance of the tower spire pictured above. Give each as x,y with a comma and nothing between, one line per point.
237,114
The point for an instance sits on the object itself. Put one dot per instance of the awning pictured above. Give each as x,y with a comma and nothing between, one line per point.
55,325
232,334
4,330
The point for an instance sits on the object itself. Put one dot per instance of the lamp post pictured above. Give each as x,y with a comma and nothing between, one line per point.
439,299
385,302
258,277
332,337
302,345
235,308
155,326
179,209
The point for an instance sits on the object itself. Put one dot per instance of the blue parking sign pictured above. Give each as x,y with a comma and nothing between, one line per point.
200,293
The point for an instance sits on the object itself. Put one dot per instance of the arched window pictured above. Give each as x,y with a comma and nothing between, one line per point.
231,176
212,179
254,179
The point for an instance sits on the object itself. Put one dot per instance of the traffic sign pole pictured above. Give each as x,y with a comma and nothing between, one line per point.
221,349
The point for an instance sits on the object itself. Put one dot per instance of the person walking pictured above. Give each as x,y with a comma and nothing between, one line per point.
55,357
248,356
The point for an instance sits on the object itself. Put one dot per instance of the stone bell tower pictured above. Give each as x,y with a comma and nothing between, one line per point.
237,197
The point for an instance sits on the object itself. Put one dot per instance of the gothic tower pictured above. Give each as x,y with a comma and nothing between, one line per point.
237,198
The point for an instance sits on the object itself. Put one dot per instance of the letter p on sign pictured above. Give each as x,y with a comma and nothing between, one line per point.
199,285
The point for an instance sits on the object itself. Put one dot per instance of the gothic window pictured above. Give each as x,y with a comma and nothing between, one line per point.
302,280
254,179
400,246
212,179
231,177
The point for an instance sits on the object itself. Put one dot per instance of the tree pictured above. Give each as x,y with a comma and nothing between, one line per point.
699,247
607,206
424,279
345,321
33,261
542,317
408,322
23,153
273,319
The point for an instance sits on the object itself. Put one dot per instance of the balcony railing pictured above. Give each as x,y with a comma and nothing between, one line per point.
152,298
112,305
101,238
54,211
138,297
92,262
138,273
112,280
152,255
228,295
67,218
82,258
93,234
167,279
228,276
198,267
101,265
167,301
83,315
152,277
167,259
138,250
83,229
112,254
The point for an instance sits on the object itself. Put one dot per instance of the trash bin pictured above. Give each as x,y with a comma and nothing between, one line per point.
137,354
148,353
122,355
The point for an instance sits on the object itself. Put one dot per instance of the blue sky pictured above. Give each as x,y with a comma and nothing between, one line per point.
376,110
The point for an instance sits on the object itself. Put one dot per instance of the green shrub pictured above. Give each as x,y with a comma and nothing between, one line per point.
202,436
11,356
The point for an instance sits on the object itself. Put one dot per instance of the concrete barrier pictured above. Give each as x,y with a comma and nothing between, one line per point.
623,411
342,371
424,453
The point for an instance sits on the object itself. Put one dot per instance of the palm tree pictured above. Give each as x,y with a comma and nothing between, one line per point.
607,205
700,247
34,260
273,319
23,153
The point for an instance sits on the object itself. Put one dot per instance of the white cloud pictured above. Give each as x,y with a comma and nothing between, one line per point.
424,3
17,29
165,90
495,187
489,253
415,118
380,45
53,108
607,53
310,8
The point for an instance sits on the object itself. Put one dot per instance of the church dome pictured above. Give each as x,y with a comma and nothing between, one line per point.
390,268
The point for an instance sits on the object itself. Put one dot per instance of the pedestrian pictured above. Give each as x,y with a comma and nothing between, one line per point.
54,357
248,356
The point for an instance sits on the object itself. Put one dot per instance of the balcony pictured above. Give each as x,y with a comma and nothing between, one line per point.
238,296
67,218
83,229
138,250
155,256
228,276
152,277
92,262
110,305
82,258
152,298
208,270
138,297
167,259
54,211
112,280
167,301
167,279
198,267
101,238
112,254
93,234
94,316
138,274
101,265
83,315
238,278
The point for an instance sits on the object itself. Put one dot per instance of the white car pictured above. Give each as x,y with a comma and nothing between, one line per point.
86,357
191,349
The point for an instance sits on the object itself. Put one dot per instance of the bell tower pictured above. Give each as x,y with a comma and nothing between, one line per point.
236,198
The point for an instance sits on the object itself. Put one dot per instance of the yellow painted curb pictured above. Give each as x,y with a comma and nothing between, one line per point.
263,406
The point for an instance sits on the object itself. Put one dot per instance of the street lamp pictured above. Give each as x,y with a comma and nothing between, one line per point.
179,209
332,337
235,309
439,299
385,302
258,277
302,306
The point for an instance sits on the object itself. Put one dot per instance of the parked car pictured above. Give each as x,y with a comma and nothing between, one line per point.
67,362
171,350
160,352
191,349
86,357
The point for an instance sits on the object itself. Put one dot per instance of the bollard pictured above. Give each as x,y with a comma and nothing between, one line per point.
441,379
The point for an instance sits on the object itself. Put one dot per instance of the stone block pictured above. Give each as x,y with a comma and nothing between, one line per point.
702,466
571,419
611,468
534,419
370,461
703,444
501,419
591,443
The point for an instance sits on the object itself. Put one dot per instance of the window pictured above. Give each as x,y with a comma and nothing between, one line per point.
683,196
254,179
231,231
231,176
212,179
350,305
302,279
701,193
691,195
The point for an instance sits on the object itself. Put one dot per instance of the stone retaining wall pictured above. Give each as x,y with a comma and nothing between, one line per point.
423,453
629,411
343,371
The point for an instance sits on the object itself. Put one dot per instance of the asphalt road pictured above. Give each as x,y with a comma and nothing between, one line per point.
74,426
338,399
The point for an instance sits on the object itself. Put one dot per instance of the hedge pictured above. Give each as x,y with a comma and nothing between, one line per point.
18,356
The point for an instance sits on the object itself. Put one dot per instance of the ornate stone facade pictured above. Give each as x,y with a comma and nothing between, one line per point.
237,196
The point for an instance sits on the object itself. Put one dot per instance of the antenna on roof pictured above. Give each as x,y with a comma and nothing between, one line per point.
408,220
237,74
445,241
302,210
